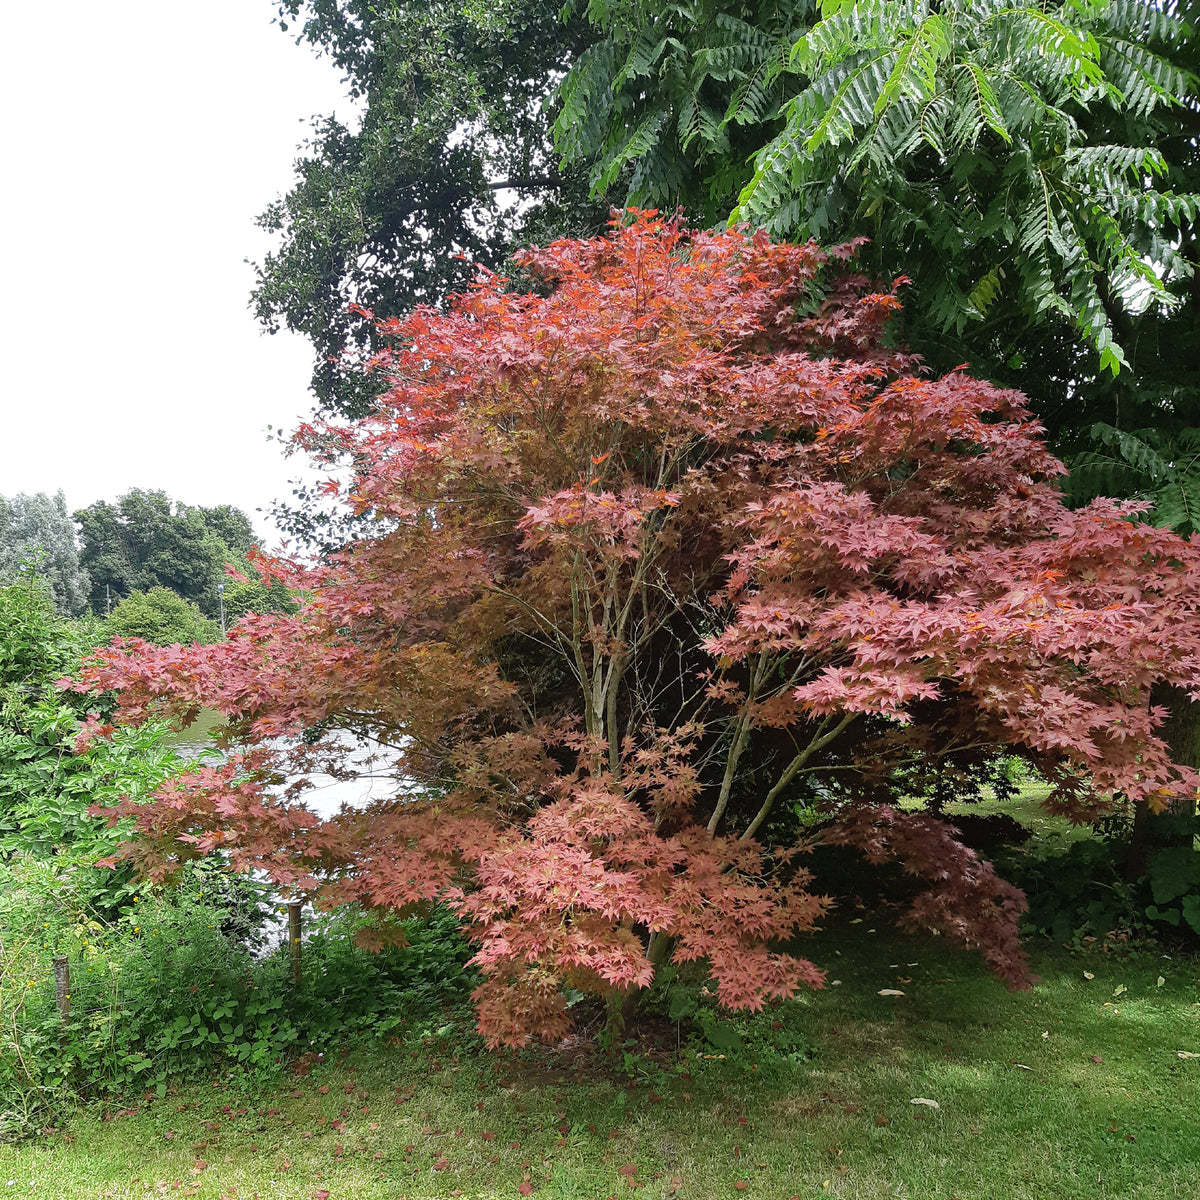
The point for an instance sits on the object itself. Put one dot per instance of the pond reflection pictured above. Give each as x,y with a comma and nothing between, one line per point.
326,796
373,784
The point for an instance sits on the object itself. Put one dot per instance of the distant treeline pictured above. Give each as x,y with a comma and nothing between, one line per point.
148,564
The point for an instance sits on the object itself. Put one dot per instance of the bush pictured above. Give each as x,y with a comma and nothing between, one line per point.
163,618
171,987
1084,889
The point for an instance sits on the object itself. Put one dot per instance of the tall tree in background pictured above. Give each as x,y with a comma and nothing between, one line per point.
1032,167
37,534
146,540
452,164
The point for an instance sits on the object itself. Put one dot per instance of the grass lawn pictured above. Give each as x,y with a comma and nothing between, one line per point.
1075,1089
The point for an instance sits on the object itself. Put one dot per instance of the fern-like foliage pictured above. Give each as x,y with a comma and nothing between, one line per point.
899,92
1003,153
1144,464
676,97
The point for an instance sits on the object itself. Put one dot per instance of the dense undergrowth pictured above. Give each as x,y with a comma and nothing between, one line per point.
174,987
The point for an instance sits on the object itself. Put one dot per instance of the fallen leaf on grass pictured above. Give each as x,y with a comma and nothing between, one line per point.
675,1184
1096,1058
1119,989
740,1184
1186,1054
488,1135
1160,981
926,1101
525,1188
1088,975
1021,1066
321,1194
889,992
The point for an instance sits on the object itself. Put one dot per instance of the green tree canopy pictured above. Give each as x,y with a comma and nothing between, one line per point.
146,540
1032,167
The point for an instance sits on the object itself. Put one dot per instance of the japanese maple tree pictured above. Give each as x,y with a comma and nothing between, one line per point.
662,553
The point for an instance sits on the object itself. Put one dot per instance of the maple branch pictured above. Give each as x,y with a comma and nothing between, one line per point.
789,773
538,407
557,640
577,649
616,671
741,735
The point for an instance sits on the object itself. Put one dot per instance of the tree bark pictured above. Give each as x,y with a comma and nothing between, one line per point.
621,1012
1151,831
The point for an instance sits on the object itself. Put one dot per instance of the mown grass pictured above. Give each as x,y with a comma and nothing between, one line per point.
1074,1089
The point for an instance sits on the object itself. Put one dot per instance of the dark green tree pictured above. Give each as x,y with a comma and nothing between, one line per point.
146,540
232,526
451,165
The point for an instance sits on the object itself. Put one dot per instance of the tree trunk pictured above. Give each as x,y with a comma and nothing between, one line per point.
623,1006
1158,831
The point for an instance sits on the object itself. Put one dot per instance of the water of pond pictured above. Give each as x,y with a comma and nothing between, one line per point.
327,795
324,799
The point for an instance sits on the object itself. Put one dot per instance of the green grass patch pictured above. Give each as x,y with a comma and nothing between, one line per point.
1074,1089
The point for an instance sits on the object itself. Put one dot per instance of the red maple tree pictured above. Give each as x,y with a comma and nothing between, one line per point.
662,552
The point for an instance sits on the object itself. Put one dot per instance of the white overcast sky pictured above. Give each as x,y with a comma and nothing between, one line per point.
138,141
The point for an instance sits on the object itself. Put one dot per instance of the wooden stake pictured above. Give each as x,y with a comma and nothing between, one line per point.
294,907
62,986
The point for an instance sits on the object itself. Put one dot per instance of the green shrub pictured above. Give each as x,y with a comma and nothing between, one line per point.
1084,889
170,987
162,617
